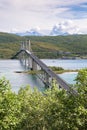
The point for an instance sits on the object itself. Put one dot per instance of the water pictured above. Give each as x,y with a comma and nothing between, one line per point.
69,77
8,69
67,64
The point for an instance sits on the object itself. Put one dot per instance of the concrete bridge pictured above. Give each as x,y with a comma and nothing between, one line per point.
32,62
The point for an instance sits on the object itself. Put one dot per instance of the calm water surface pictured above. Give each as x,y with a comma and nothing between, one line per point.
8,69
69,77
67,64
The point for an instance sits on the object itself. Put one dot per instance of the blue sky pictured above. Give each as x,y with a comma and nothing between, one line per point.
20,15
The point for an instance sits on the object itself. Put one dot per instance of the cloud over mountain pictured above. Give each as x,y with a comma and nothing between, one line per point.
31,32
65,28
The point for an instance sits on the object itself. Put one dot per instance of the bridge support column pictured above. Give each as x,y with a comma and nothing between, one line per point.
21,57
25,62
29,63
34,65
26,45
29,45
23,45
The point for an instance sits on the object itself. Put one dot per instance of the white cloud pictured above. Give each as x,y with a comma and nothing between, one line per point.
24,14
82,24
65,27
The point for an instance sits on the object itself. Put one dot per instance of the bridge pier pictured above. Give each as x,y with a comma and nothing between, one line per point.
34,65
22,58
29,64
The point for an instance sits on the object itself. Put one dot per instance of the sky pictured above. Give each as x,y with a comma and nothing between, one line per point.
20,15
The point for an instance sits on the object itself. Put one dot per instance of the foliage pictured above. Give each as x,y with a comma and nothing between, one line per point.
54,68
55,109
57,70
81,82
9,45
71,43
9,106
45,46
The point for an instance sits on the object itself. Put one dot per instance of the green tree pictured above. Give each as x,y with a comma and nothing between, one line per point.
31,109
55,109
9,106
82,91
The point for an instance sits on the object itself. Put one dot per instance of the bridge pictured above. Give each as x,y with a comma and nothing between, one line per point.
32,62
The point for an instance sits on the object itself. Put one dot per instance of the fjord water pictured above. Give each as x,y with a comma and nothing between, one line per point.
67,64
9,69
69,77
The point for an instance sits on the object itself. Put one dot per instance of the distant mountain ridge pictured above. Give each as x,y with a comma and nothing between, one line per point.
44,46
64,28
32,32
54,32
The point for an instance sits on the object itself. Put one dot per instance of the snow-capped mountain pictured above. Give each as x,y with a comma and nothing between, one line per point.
62,28
32,32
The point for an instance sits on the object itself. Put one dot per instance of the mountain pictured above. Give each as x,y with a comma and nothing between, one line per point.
62,28
32,32
44,47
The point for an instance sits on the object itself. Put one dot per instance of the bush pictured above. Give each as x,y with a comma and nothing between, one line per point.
55,109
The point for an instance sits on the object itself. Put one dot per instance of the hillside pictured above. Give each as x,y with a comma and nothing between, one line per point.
9,45
45,46
72,45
